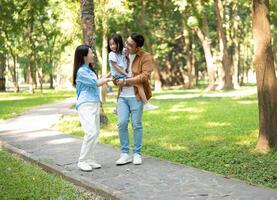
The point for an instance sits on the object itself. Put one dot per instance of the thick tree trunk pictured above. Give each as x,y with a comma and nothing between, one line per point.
266,77
226,79
87,17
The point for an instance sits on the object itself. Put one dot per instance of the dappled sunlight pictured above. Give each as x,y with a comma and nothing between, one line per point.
248,139
217,124
213,138
61,141
175,96
173,147
247,102
184,108
12,98
242,92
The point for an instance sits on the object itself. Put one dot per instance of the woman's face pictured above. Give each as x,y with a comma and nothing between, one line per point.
90,57
113,45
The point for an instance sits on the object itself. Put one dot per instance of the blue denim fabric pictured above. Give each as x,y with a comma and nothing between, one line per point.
86,86
119,76
126,107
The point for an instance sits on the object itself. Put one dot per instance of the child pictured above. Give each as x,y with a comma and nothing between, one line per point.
118,66
88,103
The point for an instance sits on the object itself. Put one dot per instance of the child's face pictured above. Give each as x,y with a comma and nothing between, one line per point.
113,45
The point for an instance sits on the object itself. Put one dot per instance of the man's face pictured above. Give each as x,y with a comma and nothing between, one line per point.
131,46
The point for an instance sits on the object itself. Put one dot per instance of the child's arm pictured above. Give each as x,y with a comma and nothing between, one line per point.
118,68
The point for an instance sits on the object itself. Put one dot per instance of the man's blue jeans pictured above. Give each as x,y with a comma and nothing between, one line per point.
126,107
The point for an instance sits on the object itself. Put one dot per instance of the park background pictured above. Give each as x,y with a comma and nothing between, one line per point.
204,78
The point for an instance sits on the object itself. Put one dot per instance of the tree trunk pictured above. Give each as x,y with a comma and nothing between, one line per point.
266,77
31,57
51,80
104,59
235,41
87,18
15,75
2,72
205,41
188,56
226,79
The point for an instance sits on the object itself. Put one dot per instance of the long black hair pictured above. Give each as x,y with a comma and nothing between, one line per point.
118,41
80,52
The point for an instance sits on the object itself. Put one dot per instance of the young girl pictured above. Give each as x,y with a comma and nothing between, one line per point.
88,103
119,69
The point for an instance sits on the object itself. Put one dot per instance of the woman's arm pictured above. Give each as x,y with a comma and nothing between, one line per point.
106,78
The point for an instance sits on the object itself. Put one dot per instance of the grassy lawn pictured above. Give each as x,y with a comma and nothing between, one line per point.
21,180
216,132
13,104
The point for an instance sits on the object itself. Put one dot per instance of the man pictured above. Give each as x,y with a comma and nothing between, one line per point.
129,102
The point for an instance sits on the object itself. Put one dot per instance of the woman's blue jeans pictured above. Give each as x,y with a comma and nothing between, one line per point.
126,107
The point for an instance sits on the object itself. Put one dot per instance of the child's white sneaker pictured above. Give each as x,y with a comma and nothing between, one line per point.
149,106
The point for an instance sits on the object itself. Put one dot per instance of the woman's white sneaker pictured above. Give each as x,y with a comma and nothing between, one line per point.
124,159
137,159
84,166
93,164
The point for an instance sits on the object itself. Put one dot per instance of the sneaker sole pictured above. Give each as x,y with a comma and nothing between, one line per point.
124,163
85,170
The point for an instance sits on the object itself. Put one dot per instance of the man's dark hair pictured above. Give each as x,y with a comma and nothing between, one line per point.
138,38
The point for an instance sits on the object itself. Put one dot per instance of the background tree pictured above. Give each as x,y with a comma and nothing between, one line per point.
266,77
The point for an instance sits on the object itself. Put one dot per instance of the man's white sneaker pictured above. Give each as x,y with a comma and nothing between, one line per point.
93,164
84,166
124,159
149,106
137,159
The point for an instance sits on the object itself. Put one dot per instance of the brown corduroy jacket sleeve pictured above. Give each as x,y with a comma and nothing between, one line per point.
142,68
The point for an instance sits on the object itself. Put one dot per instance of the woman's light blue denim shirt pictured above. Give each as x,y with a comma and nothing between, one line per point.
86,86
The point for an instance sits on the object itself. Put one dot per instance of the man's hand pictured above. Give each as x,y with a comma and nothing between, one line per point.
120,82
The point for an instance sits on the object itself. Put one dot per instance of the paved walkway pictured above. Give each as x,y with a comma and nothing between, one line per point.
30,136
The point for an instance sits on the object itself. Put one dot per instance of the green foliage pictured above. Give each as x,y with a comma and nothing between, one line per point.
211,133
21,180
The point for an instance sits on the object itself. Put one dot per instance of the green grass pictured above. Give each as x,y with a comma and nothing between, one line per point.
21,180
13,104
217,134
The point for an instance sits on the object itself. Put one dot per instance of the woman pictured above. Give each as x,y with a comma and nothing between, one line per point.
88,103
